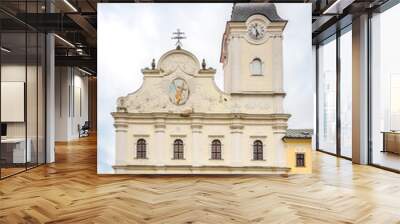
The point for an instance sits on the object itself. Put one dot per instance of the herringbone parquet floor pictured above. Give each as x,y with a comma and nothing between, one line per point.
70,191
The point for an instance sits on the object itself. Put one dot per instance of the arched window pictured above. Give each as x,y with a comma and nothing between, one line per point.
178,149
141,149
216,149
256,67
258,150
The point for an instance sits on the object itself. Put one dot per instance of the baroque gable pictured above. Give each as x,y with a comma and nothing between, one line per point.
179,85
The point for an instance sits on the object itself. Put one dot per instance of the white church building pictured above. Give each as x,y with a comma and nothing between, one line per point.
180,122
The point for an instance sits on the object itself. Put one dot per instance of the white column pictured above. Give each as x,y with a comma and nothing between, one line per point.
121,147
360,90
236,144
196,144
160,145
50,99
63,104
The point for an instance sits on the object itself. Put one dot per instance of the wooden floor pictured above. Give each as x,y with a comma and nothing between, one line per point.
70,191
387,159
5,172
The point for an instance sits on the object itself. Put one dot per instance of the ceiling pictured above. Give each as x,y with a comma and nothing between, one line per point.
75,22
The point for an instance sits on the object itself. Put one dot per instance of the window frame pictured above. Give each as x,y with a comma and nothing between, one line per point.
216,150
258,150
303,159
141,149
256,59
178,150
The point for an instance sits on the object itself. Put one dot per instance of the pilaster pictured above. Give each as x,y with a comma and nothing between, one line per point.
160,149
121,134
279,131
277,60
235,55
236,144
196,142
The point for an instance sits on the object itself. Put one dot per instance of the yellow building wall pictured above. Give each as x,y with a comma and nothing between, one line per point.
294,146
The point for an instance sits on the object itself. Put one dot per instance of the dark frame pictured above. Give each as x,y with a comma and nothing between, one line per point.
300,161
216,150
258,60
258,150
141,149
178,149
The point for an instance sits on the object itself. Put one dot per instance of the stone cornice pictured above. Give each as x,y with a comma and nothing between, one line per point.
151,72
261,93
157,73
236,126
120,126
159,126
196,126
190,168
228,116
207,71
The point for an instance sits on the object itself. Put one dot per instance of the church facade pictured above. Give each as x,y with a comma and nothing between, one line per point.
180,122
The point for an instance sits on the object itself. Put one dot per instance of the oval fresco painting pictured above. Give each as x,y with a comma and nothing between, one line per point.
178,91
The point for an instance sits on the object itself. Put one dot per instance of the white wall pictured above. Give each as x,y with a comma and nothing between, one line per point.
12,73
71,102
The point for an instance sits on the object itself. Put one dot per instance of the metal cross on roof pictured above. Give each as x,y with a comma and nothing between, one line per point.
178,36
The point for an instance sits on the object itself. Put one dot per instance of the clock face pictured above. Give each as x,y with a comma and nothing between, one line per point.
256,31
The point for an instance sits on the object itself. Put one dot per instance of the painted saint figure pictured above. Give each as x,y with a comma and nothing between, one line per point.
178,94
178,91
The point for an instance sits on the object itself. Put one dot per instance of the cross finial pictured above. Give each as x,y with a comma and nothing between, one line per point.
178,36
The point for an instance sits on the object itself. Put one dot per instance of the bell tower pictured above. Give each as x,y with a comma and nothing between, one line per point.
252,50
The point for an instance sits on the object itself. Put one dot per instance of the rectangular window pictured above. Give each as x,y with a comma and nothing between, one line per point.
346,94
178,149
141,154
327,95
300,160
385,89
178,155
216,150
141,149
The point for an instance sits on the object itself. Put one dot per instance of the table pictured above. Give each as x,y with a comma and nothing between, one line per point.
391,141
19,155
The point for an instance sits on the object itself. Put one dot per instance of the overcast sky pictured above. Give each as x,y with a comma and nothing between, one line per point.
131,35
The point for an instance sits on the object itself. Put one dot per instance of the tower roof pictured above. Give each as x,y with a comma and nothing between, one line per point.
242,11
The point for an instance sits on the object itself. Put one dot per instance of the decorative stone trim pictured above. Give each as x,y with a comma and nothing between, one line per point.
258,136
121,127
188,169
141,135
196,126
178,136
216,136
